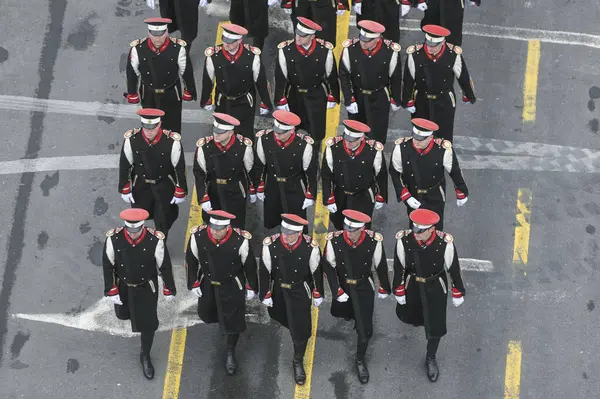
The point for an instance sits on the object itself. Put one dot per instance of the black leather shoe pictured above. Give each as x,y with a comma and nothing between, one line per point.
362,371
433,372
299,374
230,363
147,366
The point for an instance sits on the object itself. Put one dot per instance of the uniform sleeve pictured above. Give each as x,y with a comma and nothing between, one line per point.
396,171
281,78
249,265
186,72
264,273
309,164
346,77
316,270
464,79
259,168
395,72
452,167
328,263
380,265
399,266
201,175
260,81
208,77
408,89
333,83
381,175
126,174
108,266
132,71
248,168
192,263
452,265
179,169
163,263
327,177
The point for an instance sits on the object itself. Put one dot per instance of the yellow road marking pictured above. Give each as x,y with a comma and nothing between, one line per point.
512,379
321,221
523,229
531,80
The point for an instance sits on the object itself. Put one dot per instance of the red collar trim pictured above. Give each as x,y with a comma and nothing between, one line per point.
438,55
138,240
429,240
286,143
363,234
375,49
425,150
310,49
293,247
224,239
357,151
234,57
158,50
227,146
156,139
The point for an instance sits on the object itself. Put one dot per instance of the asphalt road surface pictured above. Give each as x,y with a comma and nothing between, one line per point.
529,146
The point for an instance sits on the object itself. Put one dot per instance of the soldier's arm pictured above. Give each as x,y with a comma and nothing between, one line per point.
208,77
192,262
316,270
452,167
452,265
464,79
309,164
249,265
327,177
333,83
186,72
259,168
346,77
201,175
126,174
396,172
249,165
260,81
108,266
399,265
395,73
163,263
408,89
380,265
281,78
132,73
264,270
381,174
328,263
179,168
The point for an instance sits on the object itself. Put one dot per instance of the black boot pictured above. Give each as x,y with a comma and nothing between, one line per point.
147,366
298,362
433,372
230,362
361,366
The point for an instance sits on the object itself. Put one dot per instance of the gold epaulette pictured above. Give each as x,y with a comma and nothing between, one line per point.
182,43
401,140
285,43
137,41
325,43
131,132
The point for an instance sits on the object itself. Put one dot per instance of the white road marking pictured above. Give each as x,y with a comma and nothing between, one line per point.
466,265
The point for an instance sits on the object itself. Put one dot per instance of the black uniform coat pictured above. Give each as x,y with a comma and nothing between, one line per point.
184,14
449,14
353,179
305,79
252,15
133,267
233,264
153,191
429,85
222,175
297,178
157,74
323,12
343,260
428,183
238,77
386,12
298,266
373,80
435,256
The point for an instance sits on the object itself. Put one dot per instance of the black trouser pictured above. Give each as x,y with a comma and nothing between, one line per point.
374,111
163,213
169,101
437,208
386,12
361,201
299,350
361,348
321,12
252,15
311,107
450,15
432,346
147,339
184,14
243,109
440,110
232,340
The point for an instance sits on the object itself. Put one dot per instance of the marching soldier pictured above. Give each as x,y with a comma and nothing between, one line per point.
222,167
385,12
429,80
291,280
417,170
349,257
353,172
156,67
133,257
306,80
152,172
222,273
448,14
421,259
370,75
238,72
285,170
184,17
323,12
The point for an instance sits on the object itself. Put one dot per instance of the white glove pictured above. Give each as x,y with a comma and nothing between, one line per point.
264,111
272,3
379,205
332,208
287,10
395,107
331,104
208,107
260,196
343,298
116,299
249,295
128,198
268,302
352,108
473,3
422,6
206,206
308,203
317,302
252,198
203,3
382,296
413,203
357,8
458,301
283,107
401,299
197,291
461,202
177,200
169,298
340,12
404,9
412,109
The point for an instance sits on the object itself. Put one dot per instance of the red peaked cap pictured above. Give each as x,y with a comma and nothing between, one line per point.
356,126
150,113
286,118
236,29
436,30
157,21
134,214
221,215
371,26
225,119
307,23
294,219
425,124
356,216
424,217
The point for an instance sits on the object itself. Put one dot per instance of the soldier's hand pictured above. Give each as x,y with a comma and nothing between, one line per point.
352,108
250,294
379,205
381,294
203,3
475,2
260,196
197,291
206,206
208,107
331,104
116,299
395,107
317,302
268,302
264,111
413,203
252,198
128,198
339,13
177,200
404,9
457,297
308,203
401,299
169,298
422,6
461,202
357,8
342,298
272,3
332,208
283,107
412,109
